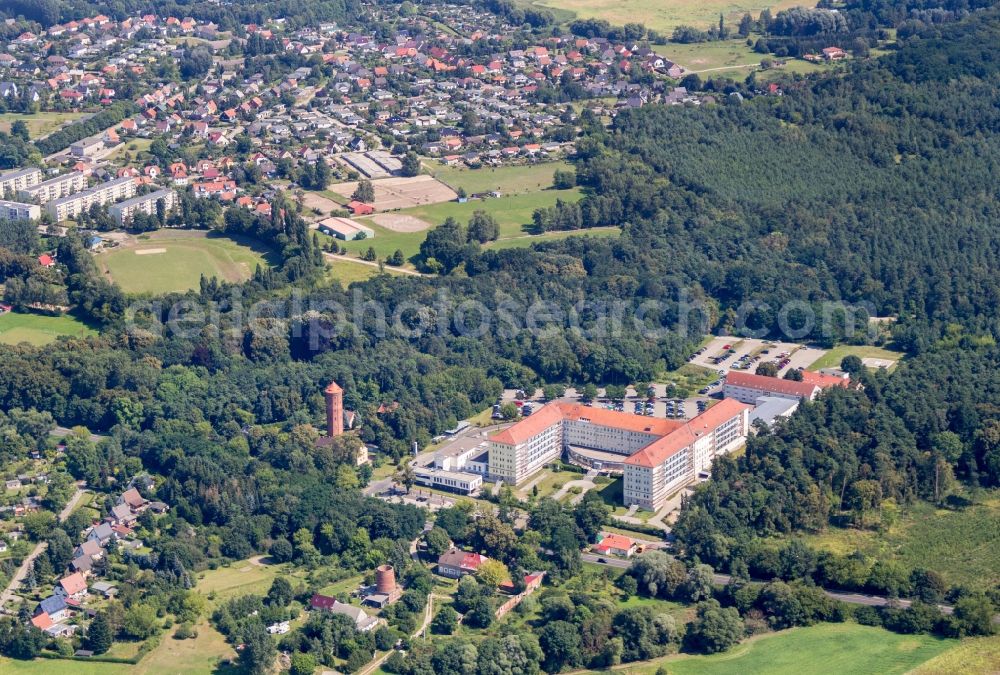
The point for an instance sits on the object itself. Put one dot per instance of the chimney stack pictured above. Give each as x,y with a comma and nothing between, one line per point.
334,409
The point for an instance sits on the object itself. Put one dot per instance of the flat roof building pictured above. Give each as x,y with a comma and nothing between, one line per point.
345,229
453,481
19,211
14,181
105,193
124,212
53,188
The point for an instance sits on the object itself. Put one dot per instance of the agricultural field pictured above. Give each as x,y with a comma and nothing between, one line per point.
168,261
825,648
38,330
664,15
40,124
878,355
962,544
507,179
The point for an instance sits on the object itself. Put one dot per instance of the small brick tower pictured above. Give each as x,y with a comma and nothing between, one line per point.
334,410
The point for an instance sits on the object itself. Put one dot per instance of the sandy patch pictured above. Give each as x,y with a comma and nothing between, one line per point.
150,251
311,200
401,192
400,223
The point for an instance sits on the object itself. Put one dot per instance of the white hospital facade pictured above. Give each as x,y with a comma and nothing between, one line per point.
657,456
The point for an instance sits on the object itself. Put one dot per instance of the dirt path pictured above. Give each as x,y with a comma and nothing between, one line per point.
428,615
388,268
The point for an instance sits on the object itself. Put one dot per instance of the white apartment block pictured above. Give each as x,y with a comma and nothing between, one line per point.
13,182
105,193
658,456
19,211
123,212
53,188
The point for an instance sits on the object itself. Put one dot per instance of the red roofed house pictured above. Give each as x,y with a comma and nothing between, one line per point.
456,563
45,260
360,208
74,586
615,544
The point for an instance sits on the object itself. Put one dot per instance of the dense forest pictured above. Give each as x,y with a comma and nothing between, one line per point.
854,458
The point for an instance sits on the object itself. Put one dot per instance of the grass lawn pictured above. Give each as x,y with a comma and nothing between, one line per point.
833,357
690,377
60,667
821,649
133,146
507,179
39,124
662,15
715,57
523,241
37,330
200,655
963,545
240,578
973,656
347,272
177,259
513,213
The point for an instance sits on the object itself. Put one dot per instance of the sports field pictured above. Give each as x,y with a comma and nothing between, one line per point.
38,330
168,260
816,650
662,15
39,124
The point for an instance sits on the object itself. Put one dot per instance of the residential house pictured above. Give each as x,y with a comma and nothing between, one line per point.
456,563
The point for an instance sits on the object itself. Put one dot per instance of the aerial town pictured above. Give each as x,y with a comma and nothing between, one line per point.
499,338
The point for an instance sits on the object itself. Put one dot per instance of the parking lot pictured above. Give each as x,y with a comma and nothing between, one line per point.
720,355
679,409
731,353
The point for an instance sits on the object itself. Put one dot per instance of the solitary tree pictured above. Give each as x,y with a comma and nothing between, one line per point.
99,635
365,192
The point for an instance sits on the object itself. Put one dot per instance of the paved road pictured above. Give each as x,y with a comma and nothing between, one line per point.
723,579
22,571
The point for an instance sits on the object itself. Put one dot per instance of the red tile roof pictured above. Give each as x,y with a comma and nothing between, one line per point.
822,380
773,384
614,541
554,412
73,584
657,452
